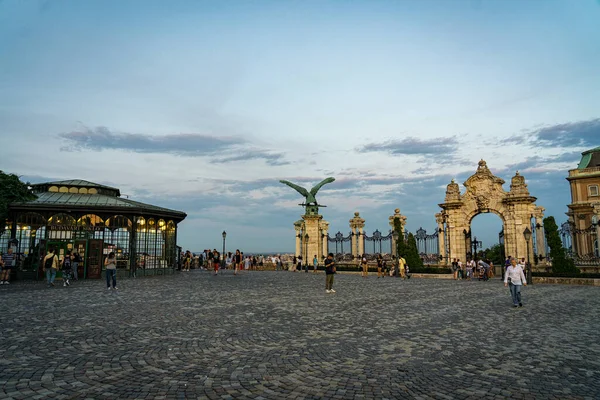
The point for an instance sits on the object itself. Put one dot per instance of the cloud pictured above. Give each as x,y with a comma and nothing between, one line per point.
582,133
101,138
186,144
413,146
274,159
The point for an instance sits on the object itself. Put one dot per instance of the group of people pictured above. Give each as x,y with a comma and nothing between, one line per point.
481,270
399,267
215,261
68,265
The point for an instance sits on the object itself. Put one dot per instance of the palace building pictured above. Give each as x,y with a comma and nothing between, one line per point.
92,220
584,211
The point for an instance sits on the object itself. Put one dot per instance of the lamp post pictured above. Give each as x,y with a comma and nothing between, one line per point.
527,236
306,249
223,254
476,244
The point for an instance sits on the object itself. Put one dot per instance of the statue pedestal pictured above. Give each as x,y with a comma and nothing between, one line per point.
314,227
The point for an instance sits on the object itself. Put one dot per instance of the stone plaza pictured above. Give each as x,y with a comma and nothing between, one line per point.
278,335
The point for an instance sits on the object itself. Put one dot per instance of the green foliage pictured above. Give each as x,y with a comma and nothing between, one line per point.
412,253
494,254
400,245
12,190
560,262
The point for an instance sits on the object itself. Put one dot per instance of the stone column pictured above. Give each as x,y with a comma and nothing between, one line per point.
325,244
311,228
439,218
540,243
298,228
596,212
358,243
402,218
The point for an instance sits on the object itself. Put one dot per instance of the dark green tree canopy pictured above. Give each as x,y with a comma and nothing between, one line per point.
560,261
413,259
12,190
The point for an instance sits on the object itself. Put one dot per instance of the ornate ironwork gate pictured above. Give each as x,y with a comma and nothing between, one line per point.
581,244
428,246
379,244
342,245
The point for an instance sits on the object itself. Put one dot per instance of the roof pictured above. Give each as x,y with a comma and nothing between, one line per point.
76,182
590,159
96,201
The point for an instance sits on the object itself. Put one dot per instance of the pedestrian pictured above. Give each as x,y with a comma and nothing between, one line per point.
228,260
379,265
50,266
76,261
216,260
111,270
315,264
299,264
514,279
211,260
384,267
365,266
247,263
470,269
329,272
402,267
237,261
455,268
8,261
67,267
459,267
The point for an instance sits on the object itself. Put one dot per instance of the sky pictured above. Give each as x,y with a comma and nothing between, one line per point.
204,106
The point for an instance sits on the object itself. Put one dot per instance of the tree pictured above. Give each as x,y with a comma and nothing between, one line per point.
12,190
400,245
413,259
560,262
494,254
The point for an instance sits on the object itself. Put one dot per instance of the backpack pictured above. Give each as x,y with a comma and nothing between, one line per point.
49,262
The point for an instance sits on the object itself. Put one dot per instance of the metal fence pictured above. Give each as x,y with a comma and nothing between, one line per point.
581,244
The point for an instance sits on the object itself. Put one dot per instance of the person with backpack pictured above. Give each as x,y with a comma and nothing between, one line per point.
67,266
50,266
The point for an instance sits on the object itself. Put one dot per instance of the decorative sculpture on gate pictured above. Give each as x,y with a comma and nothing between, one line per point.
310,202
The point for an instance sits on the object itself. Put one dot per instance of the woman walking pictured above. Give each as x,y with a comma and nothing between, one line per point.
514,279
111,270
365,266
379,266
237,262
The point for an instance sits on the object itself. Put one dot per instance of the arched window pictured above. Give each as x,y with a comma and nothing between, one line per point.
90,220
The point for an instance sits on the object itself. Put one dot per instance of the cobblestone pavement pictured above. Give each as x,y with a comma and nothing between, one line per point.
278,335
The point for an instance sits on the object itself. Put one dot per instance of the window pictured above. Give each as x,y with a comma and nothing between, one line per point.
593,190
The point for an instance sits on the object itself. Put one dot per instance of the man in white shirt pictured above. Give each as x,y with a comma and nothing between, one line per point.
514,278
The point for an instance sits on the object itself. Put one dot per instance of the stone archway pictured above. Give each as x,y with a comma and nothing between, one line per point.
485,194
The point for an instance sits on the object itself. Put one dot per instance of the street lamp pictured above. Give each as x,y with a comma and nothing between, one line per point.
527,236
306,247
223,255
476,244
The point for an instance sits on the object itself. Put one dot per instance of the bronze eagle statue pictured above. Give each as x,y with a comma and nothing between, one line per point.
309,196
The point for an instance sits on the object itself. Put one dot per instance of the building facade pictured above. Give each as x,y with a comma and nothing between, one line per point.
92,220
583,226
